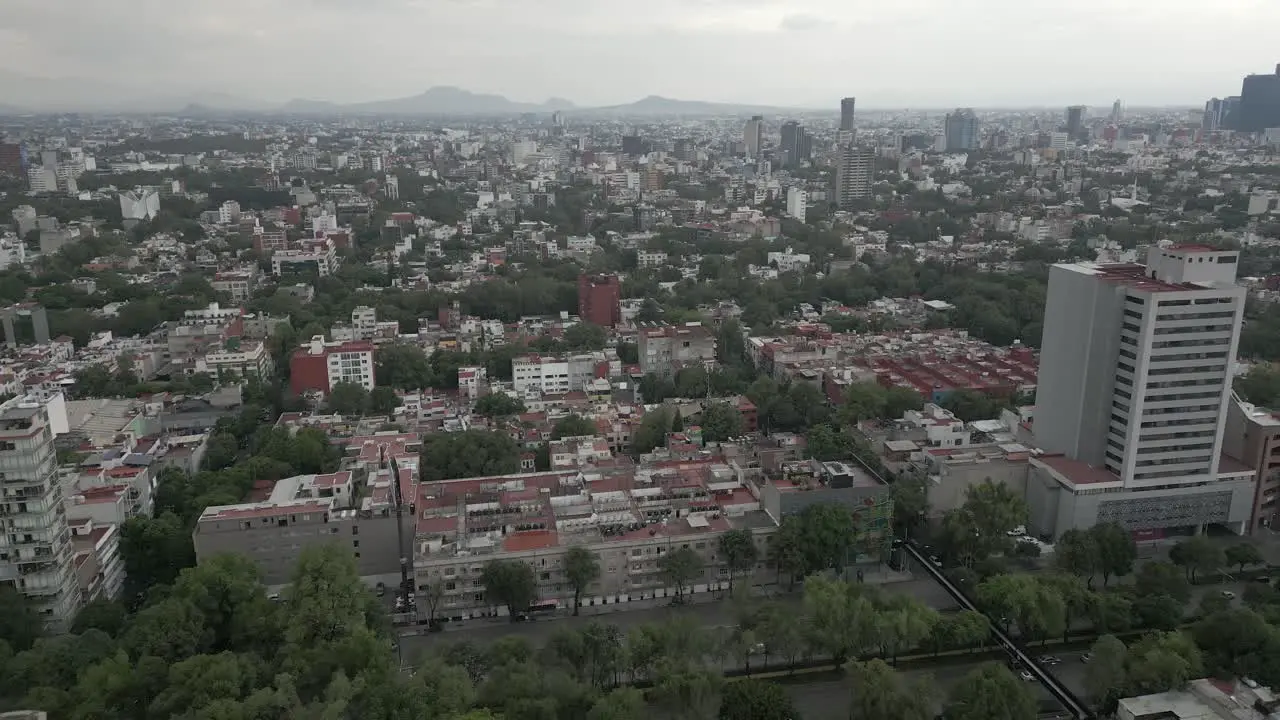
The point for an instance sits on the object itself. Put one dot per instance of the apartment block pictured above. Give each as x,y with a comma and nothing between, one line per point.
36,554
1133,394
1252,436
667,348
318,365
308,510
558,374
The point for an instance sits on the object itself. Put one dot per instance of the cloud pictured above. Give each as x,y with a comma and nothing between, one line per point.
800,21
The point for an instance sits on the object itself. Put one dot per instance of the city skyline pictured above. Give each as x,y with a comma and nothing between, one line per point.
521,52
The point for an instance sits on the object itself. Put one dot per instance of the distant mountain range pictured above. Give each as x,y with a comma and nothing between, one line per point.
20,93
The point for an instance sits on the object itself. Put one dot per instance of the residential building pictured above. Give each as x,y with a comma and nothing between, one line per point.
1203,699
961,130
599,299
319,256
36,555
1252,436
318,366
1133,390
237,359
140,204
1075,121
556,375
797,202
796,145
854,175
238,284
667,348
42,179
13,159
308,510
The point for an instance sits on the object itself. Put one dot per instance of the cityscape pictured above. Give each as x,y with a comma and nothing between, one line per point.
452,406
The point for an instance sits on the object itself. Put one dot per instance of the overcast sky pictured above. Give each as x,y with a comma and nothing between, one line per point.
888,53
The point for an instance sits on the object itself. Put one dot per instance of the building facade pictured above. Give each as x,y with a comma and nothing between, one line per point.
600,299
667,348
1252,436
854,175
961,130
318,366
1133,390
1259,106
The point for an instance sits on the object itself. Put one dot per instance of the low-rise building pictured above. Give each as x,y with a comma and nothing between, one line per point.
666,349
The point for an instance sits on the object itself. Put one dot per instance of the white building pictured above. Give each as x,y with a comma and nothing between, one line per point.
42,179
1133,391
247,358
228,212
788,261
650,259
521,151
13,251
541,374
797,202
139,204
321,253
391,187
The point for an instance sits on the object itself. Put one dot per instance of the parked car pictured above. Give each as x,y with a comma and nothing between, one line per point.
1228,594
1086,657
1050,660
1026,675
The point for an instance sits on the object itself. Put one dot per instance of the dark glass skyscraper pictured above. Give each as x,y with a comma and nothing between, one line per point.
796,144
846,113
1259,103
1075,121
961,129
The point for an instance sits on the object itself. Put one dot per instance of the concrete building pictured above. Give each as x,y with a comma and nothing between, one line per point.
599,298
753,135
853,175
667,348
1203,699
1075,121
42,179
846,114
961,131
797,202
319,365
1133,391
140,204
1252,436
556,375
319,256
308,510
35,547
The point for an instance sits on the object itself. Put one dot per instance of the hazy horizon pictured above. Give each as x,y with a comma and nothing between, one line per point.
800,54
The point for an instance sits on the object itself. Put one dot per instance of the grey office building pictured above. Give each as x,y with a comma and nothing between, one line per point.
1259,103
854,174
1132,396
961,129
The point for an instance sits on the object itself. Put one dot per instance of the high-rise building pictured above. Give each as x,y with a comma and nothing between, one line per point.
1132,395
1075,121
797,203
961,130
13,159
796,145
753,135
683,149
1117,111
634,145
1259,103
42,179
846,113
853,175
599,299
36,556
1213,115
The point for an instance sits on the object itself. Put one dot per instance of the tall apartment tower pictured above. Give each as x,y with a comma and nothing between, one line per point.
753,135
961,130
854,174
796,144
1133,392
1211,121
1117,111
35,540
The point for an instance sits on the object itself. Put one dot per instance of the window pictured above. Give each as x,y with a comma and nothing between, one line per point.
355,543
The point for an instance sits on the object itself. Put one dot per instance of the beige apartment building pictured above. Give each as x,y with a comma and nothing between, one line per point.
1252,436
629,519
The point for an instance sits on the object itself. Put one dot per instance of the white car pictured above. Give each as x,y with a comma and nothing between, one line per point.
1228,595
1026,675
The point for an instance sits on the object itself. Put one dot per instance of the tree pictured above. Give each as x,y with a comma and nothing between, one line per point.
1104,677
495,405
652,432
572,426
403,366
624,703
991,693
154,550
720,421
1198,554
109,616
841,615
820,538
1038,608
1077,553
471,453
880,692
585,336
509,583
348,398
826,442
1162,578
1116,550
1242,554
749,699
1161,662
971,406
383,400
863,401
581,568
680,567
738,548
19,624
